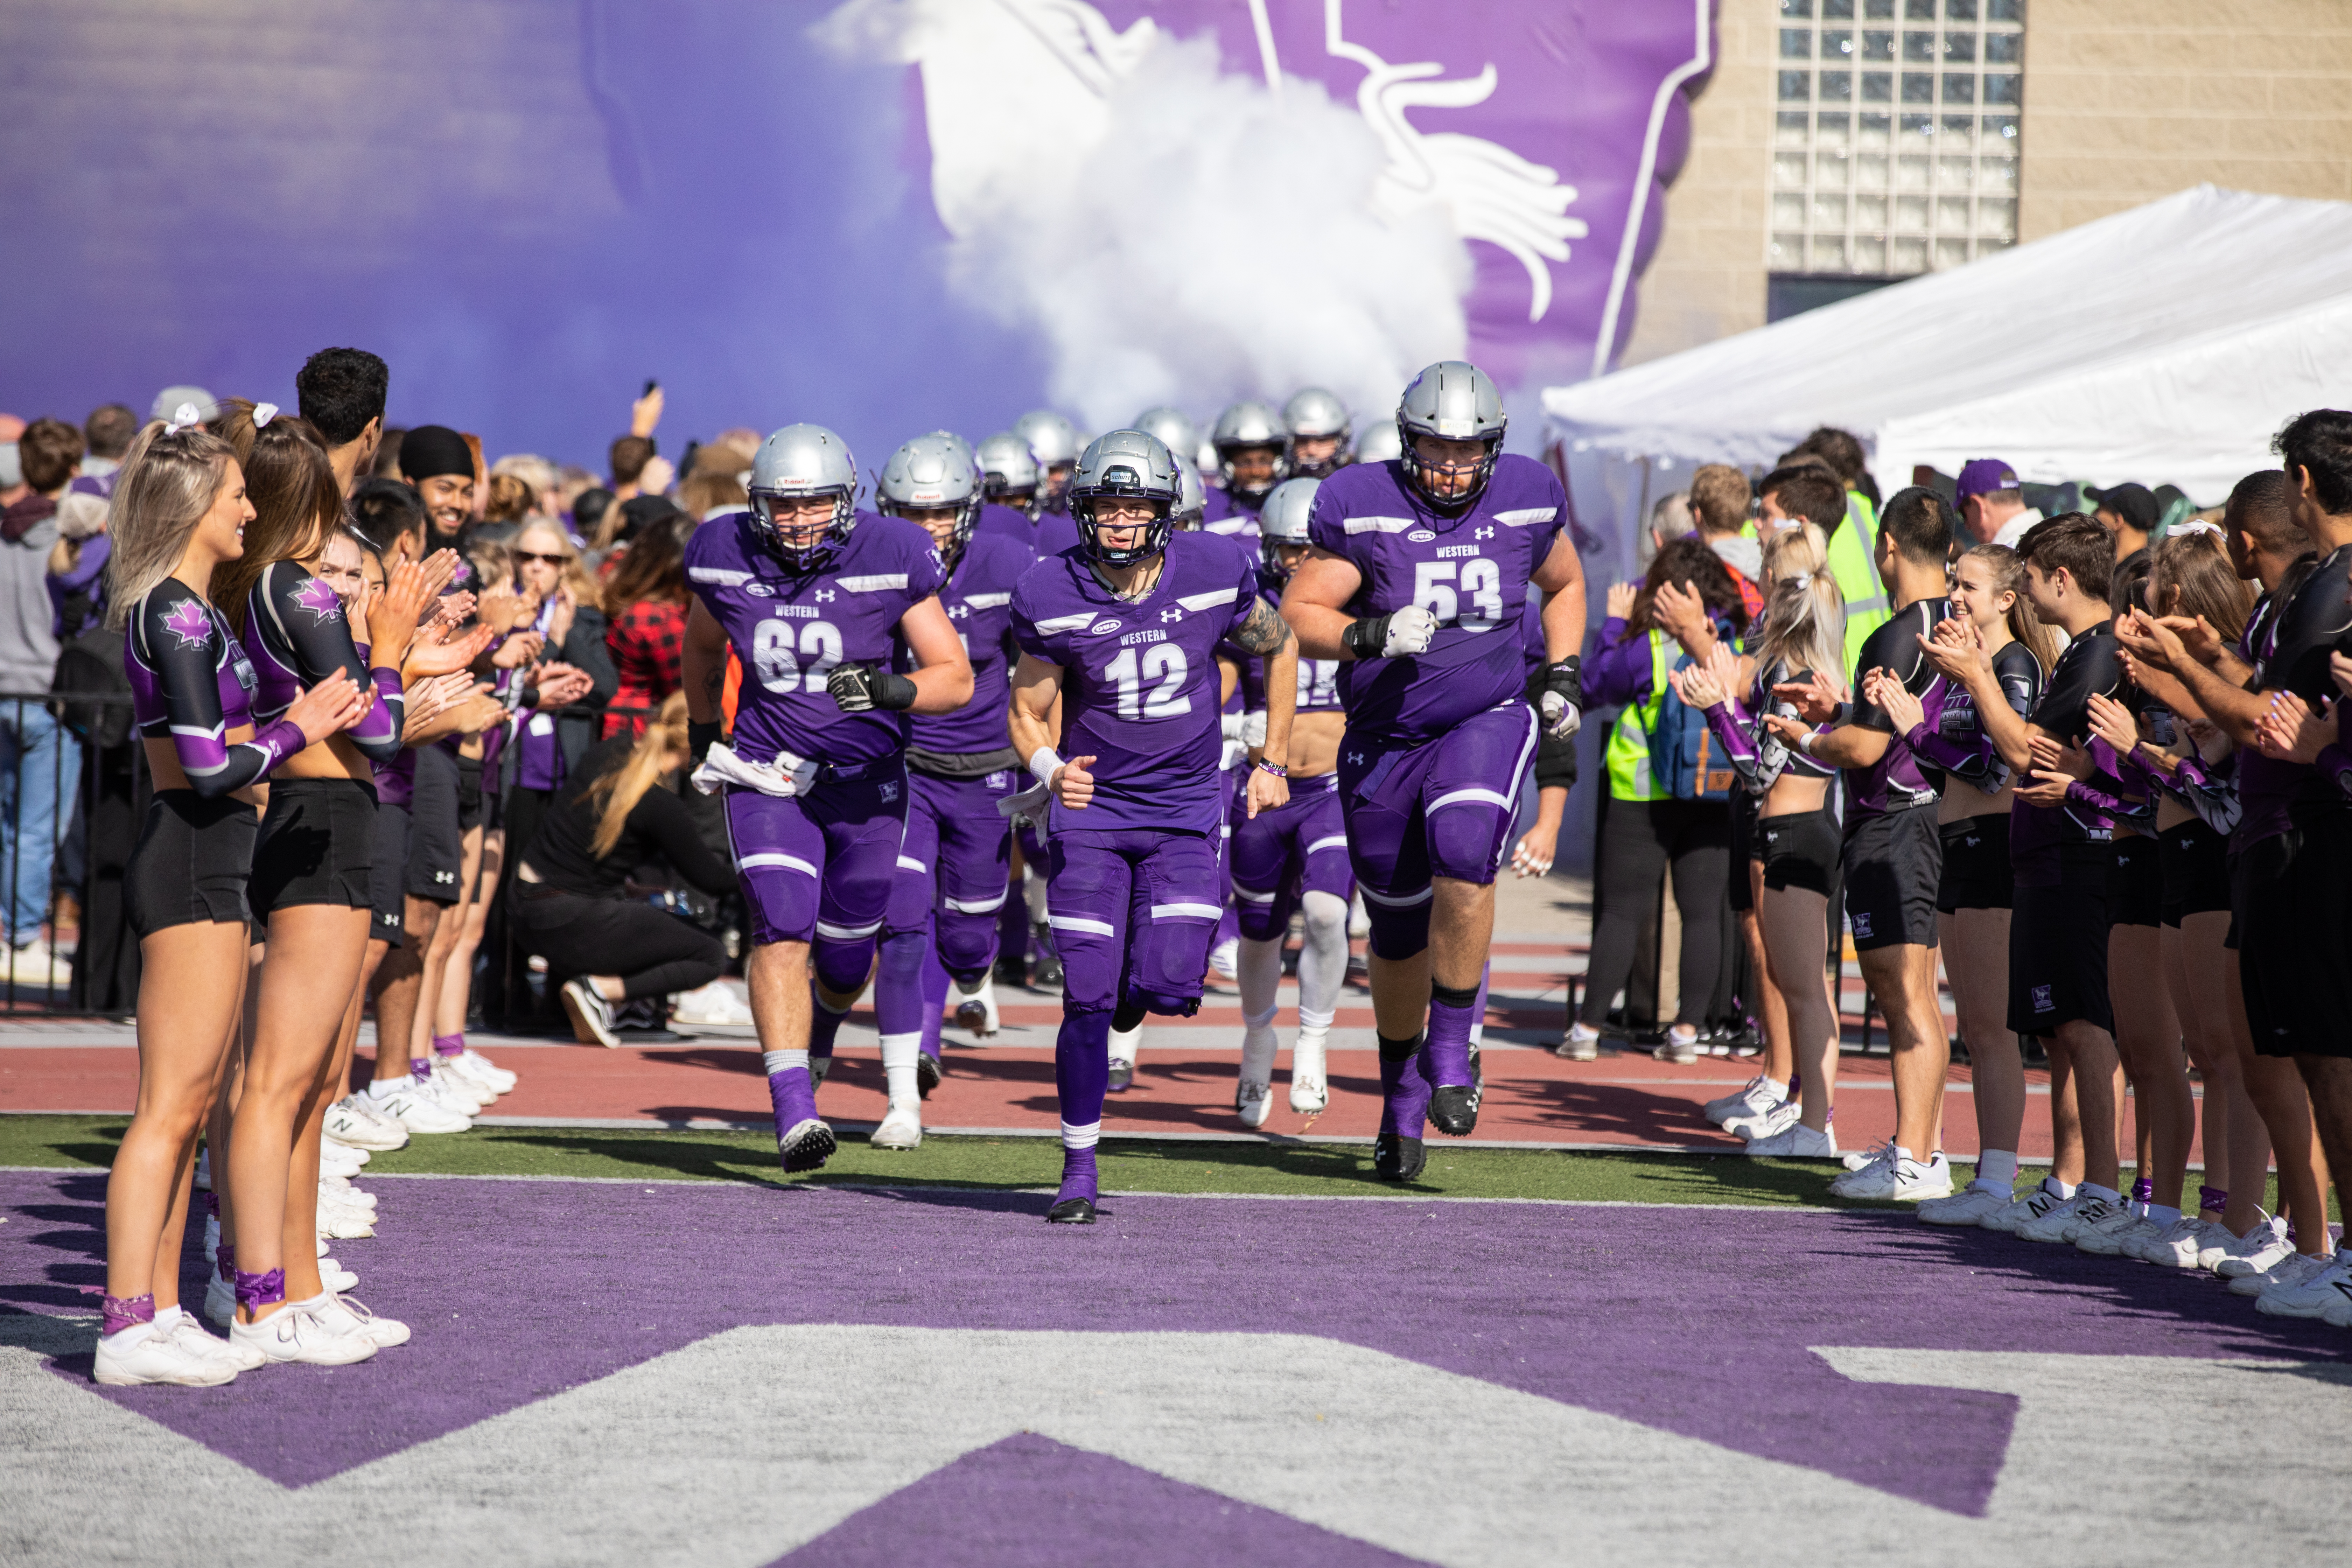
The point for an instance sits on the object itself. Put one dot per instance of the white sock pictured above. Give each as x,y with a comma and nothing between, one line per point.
1033,894
385,1087
1259,970
1259,1043
2064,1190
1997,1167
898,1054
1126,1044
2164,1218
1323,960
1084,1137
784,1061
167,1316
125,1339
1901,1155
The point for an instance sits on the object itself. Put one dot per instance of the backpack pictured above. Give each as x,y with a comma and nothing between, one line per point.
1683,758
89,692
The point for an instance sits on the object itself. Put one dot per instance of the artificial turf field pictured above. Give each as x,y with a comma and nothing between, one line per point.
650,1348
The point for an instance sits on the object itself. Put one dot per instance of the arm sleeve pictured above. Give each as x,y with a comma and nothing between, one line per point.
1730,724
2212,791
1972,759
188,672
320,639
664,818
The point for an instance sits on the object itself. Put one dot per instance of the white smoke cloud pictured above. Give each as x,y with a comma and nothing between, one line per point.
1170,233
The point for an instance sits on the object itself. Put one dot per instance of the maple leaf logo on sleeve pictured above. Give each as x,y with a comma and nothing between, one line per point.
187,621
317,597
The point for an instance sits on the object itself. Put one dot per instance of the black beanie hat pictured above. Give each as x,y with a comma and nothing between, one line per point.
429,451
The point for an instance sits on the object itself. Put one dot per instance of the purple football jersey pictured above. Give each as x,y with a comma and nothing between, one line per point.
1056,532
979,601
1471,571
1139,682
792,630
1231,516
1009,523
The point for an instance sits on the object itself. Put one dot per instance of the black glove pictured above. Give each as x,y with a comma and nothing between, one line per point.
858,688
1395,635
700,737
1562,703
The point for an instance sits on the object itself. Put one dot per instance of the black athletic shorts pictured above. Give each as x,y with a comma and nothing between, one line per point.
436,851
1745,847
317,846
1977,872
1800,851
469,794
2196,864
2294,960
1893,862
192,864
388,873
2058,947
2135,885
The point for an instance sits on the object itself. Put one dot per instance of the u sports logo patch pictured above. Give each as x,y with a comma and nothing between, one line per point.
1862,924
2042,1002
890,791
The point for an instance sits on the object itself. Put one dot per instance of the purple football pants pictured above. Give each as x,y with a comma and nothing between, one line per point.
1132,910
953,863
818,868
1283,854
1442,808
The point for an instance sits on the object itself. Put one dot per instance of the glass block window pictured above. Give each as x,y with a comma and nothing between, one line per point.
1895,146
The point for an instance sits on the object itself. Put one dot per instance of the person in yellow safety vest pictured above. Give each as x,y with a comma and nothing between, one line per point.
1811,492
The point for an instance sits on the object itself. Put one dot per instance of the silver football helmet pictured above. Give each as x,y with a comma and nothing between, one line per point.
1379,444
1126,465
1283,522
1192,496
933,472
1250,424
1174,427
1452,401
797,461
1312,415
1054,443
1008,472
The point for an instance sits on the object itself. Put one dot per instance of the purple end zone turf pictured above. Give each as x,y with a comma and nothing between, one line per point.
1028,1499
1698,1322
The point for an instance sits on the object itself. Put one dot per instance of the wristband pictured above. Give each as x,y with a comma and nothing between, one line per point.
700,737
1805,742
1043,765
1279,770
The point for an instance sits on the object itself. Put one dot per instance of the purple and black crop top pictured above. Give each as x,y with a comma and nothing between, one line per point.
190,685
296,635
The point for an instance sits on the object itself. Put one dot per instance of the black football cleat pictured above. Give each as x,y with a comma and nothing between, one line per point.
927,1073
1396,1158
1453,1109
1012,968
1071,1211
806,1147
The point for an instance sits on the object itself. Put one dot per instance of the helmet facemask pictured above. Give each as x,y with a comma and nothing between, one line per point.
1121,482
1254,492
1418,476
804,548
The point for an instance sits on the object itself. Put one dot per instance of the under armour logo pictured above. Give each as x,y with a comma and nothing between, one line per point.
824,596
1483,533
959,612
1355,759
1171,614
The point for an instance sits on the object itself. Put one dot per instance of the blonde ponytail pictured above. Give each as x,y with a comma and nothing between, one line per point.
627,785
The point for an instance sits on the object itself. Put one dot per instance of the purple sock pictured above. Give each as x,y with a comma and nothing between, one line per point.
449,1045
935,999
823,1025
794,1097
1405,1092
2211,1200
254,1291
1078,1176
2144,1190
1082,1066
1013,925
421,1070
225,1259
1446,1060
121,1312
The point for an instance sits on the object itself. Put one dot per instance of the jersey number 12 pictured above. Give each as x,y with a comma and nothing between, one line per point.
1163,662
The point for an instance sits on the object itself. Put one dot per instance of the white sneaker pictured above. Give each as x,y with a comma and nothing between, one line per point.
158,1356
1971,1206
2256,1252
2318,1290
1902,1180
902,1128
591,1015
975,1010
2180,1245
1769,1123
467,1076
503,1079
1580,1045
295,1334
1795,1142
716,1003
1252,1101
2293,1269
1680,1048
416,1113
335,1159
2117,1235
2029,1204
339,1190
334,1275
191,1334
342,1315
343,1224
1760,1095
466,1098
2052,1223
1877,1153
1310,1090
1225,957
351,1121
1863,1165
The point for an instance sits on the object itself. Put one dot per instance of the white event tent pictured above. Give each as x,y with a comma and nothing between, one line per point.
2165,344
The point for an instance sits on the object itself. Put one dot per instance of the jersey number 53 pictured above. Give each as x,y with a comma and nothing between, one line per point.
1434,586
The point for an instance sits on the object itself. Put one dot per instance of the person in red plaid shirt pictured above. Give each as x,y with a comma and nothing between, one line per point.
646,599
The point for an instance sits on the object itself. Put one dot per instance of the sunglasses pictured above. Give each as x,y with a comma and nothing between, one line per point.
524,557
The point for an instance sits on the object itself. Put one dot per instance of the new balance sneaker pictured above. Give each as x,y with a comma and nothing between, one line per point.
340,1314
415,1112
466,1099
1580,1044
1877,1153
2029,1204
1794,1141
334,1275
1310,1090
902,1128
1760,1095
2293,1269
342,1222
1765,1123
190,1333
475,1081
2319,1289
1252,1101
149,1354
1971,1206
333,1162
1859,1165
2182,1244
2256,1252
1902,1180
2117,1235
716,1003
1680,1047
975,1010
295,1334
503,1079
591,1015
2050,1226
344,1193
353,1128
